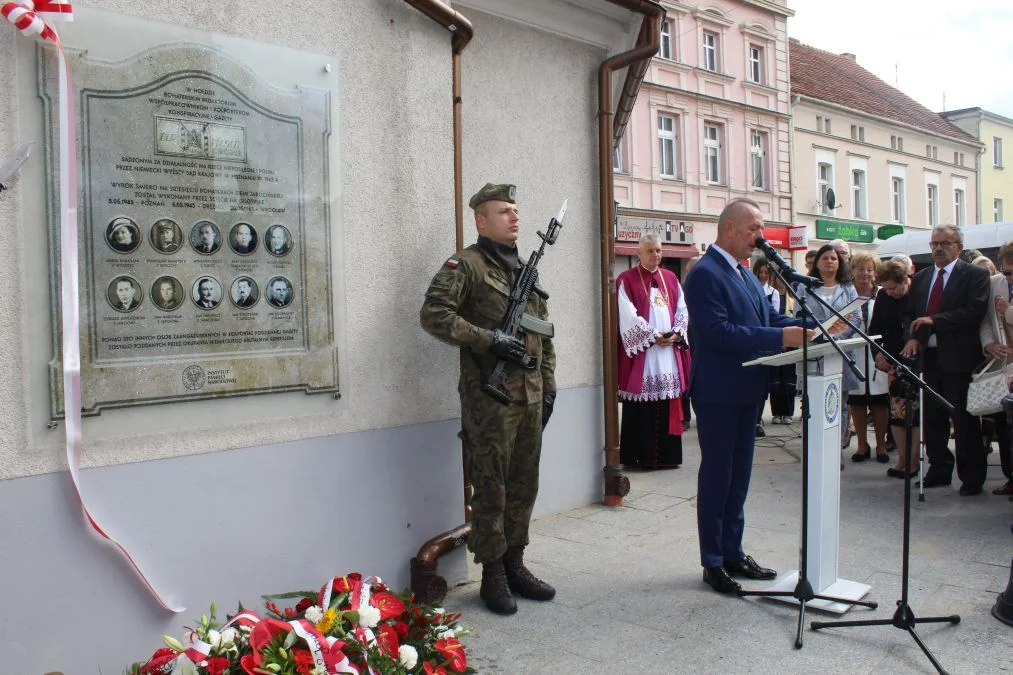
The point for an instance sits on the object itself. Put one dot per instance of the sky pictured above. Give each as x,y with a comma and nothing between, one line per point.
926,48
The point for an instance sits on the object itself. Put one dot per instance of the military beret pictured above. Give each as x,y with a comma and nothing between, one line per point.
490,192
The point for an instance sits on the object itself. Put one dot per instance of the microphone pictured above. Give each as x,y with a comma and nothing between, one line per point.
782,265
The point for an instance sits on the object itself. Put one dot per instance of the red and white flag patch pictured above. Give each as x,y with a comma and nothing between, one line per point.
452,263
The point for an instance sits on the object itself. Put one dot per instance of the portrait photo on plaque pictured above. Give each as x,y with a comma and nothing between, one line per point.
206,293
124,294
167,293
205,237
123,235
279,292
244,292
243,239
166,236
279,240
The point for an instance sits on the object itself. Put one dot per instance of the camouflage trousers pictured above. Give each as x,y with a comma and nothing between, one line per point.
502,445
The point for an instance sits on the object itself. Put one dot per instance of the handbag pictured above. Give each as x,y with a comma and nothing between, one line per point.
987,388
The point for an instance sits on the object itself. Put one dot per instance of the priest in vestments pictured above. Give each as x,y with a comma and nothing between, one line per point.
653,361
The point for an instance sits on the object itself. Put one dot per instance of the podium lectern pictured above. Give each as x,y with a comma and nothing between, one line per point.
822,464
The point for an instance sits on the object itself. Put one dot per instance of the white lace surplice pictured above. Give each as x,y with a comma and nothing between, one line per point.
661,375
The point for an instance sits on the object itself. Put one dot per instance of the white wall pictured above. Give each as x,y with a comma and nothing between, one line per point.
235,503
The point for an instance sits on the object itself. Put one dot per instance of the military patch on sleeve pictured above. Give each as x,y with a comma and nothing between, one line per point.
452,263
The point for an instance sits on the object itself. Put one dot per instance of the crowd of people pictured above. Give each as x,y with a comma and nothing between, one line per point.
942,323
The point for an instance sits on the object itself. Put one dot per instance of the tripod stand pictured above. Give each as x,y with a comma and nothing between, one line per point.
904,618
803,591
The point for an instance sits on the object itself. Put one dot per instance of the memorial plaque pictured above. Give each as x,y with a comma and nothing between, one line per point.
204,222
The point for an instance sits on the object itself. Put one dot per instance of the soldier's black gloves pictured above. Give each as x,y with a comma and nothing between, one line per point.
508,348
548,401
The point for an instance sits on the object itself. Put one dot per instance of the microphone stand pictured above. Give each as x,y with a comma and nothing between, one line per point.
903,618
803,591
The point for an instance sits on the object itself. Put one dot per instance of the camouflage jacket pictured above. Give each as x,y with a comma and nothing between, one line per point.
465,302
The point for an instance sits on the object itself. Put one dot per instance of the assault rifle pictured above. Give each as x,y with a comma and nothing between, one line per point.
515,320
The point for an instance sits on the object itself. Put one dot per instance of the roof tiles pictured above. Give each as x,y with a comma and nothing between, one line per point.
838,79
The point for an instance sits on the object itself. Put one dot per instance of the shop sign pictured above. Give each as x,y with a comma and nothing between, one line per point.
832,229
670,231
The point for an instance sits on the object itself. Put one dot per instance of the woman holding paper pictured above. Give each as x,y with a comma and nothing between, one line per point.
838,292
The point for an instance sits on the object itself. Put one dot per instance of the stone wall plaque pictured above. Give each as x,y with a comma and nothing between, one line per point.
204,221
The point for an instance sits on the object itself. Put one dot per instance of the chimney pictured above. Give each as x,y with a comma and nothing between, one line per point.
850,56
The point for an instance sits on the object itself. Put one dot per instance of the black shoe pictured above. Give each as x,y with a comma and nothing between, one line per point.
970,490
897,473
718,579
931,481
760,431
521,581
748,568
882,457
494,592
860,456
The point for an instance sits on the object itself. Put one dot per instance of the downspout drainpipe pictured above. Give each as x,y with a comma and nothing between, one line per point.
426,584
617,485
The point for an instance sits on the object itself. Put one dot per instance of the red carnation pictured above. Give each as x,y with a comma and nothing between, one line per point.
217,665
401,628
161,662
303,605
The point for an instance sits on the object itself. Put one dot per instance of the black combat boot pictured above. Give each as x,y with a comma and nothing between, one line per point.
521,580
495,593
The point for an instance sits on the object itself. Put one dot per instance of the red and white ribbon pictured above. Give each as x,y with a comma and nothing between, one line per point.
32,19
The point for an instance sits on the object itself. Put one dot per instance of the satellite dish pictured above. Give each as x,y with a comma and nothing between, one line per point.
831,199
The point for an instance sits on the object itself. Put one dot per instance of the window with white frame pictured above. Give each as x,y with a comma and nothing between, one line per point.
897,199
958,207
666,146
710,51
897,143
618,163
665,50
712,152
997,151
758,158
825,181
997,210
826,125
756,64
858,195
819,123
932,194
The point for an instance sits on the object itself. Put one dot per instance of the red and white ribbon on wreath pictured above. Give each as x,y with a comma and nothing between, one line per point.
32,19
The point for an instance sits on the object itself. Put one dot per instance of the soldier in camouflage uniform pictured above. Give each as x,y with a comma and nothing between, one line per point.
464,307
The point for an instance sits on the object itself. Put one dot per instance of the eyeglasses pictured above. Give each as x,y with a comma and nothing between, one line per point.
944,244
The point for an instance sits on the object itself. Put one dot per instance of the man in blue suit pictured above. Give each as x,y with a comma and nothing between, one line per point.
730,322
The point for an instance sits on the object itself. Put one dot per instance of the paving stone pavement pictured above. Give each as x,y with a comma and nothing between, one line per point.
630,597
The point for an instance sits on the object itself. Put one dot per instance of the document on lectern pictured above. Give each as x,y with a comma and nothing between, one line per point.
851,307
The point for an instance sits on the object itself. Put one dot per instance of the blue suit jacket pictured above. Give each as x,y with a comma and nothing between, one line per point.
728,324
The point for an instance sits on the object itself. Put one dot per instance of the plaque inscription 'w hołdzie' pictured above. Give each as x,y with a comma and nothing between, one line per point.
205,229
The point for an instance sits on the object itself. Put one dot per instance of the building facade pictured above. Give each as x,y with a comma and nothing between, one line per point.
283,490
995,186
711,124
868,161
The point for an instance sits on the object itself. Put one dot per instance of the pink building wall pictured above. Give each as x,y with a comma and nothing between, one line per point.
685,90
